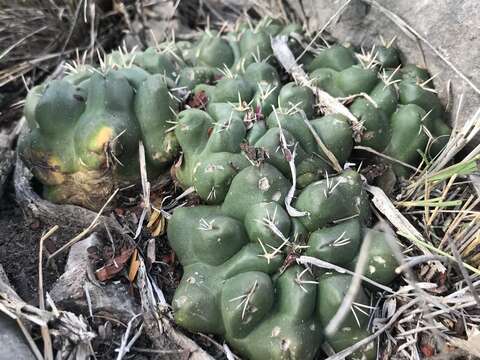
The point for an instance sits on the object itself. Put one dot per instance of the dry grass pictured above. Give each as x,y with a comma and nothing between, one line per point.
36,36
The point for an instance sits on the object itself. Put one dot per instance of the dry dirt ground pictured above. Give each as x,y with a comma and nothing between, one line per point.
19,249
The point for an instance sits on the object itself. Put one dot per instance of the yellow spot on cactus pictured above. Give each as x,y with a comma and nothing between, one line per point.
103,136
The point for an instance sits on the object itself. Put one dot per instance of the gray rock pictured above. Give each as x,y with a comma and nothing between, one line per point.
13,343
73,288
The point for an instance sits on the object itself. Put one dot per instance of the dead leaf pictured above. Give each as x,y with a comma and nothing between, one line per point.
134,265
114,265
427,350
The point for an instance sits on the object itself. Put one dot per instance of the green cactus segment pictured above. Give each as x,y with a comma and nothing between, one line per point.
336,199
293,96
337,58
212,140
190,77
235,51
337,244
388,57
154,61
381,262
407,120
332,289
378,98
245,300
84,131
238,282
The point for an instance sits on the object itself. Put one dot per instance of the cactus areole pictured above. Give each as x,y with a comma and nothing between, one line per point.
265,162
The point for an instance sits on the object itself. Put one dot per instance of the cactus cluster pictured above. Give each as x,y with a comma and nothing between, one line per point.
84,130
400,112
271,171
240,277
248,146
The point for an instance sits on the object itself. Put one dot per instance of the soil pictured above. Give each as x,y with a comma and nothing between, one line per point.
19,249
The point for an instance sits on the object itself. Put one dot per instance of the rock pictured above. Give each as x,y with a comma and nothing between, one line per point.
71,290
13,343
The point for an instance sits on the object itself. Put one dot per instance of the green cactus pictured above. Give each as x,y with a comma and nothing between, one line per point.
258,154
236,281
242,152
400,112
211,140
84,130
